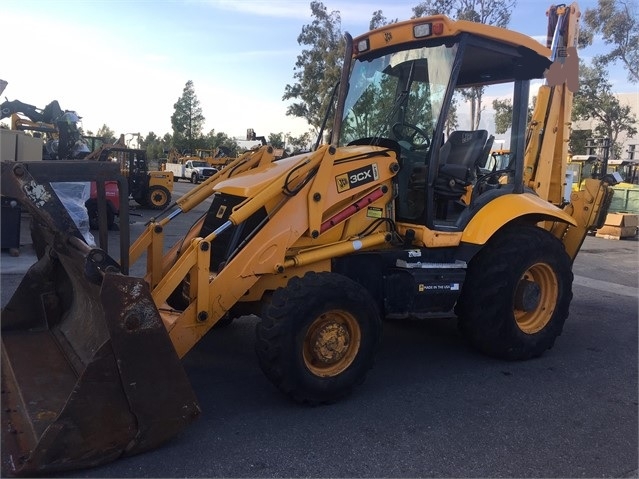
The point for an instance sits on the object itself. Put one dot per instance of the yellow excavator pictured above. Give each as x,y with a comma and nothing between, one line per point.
390,219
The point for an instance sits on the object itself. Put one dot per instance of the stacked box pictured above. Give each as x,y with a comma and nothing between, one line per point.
18,146
619,225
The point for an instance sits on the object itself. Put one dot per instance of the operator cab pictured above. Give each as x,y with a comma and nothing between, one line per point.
410,97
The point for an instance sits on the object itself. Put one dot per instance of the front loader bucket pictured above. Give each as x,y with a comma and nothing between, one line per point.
89,373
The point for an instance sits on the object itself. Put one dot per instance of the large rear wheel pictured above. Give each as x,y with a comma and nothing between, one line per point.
318,337
158,198
517,293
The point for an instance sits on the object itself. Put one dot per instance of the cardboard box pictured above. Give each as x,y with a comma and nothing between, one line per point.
8,143
622,219
18,146
29,148
619,225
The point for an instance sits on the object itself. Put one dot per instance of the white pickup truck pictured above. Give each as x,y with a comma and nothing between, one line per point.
192,170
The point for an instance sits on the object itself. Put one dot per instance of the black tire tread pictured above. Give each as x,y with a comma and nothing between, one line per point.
274,331
485,309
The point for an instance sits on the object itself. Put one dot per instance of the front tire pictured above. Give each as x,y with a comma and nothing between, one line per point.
517,293
318,337
194,178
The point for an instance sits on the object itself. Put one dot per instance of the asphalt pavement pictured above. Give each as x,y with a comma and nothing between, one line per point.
431,407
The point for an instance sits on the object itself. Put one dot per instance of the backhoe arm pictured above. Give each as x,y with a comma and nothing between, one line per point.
588,207
549,132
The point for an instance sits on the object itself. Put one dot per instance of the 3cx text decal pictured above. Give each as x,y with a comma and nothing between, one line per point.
358,177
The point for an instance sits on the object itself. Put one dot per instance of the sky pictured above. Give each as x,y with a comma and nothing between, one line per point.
125,63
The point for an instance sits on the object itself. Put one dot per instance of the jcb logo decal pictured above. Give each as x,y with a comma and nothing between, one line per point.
357,177
342,182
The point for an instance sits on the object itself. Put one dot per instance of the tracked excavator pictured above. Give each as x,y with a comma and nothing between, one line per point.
390,219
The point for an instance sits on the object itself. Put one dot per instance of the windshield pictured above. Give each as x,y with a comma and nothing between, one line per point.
405,87
200,164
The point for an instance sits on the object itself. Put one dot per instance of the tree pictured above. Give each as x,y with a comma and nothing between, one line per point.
107,133
222,140
187,119
452,119
503,115
595,101
149,139
579,141
154,146
489,12
617,22
318,68
379,20
298,143
370,113
277,140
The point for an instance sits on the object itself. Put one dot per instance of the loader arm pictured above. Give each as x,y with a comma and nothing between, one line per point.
9,108
38,119
151,240
268,251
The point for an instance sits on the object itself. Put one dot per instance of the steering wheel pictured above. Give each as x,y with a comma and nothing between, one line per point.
489,181
407,132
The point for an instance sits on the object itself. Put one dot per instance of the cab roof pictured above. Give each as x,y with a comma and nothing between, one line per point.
502,56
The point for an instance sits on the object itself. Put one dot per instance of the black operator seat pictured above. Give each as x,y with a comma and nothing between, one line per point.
461,155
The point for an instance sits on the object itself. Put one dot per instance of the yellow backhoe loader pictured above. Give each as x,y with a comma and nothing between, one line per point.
391,219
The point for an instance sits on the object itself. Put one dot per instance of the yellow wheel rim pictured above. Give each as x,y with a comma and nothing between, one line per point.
158,197
535,298
331,343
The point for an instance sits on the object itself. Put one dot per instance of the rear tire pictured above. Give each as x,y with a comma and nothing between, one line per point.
158,197
318,337
517,293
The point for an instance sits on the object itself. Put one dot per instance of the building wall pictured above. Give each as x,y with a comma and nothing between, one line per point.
631,99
